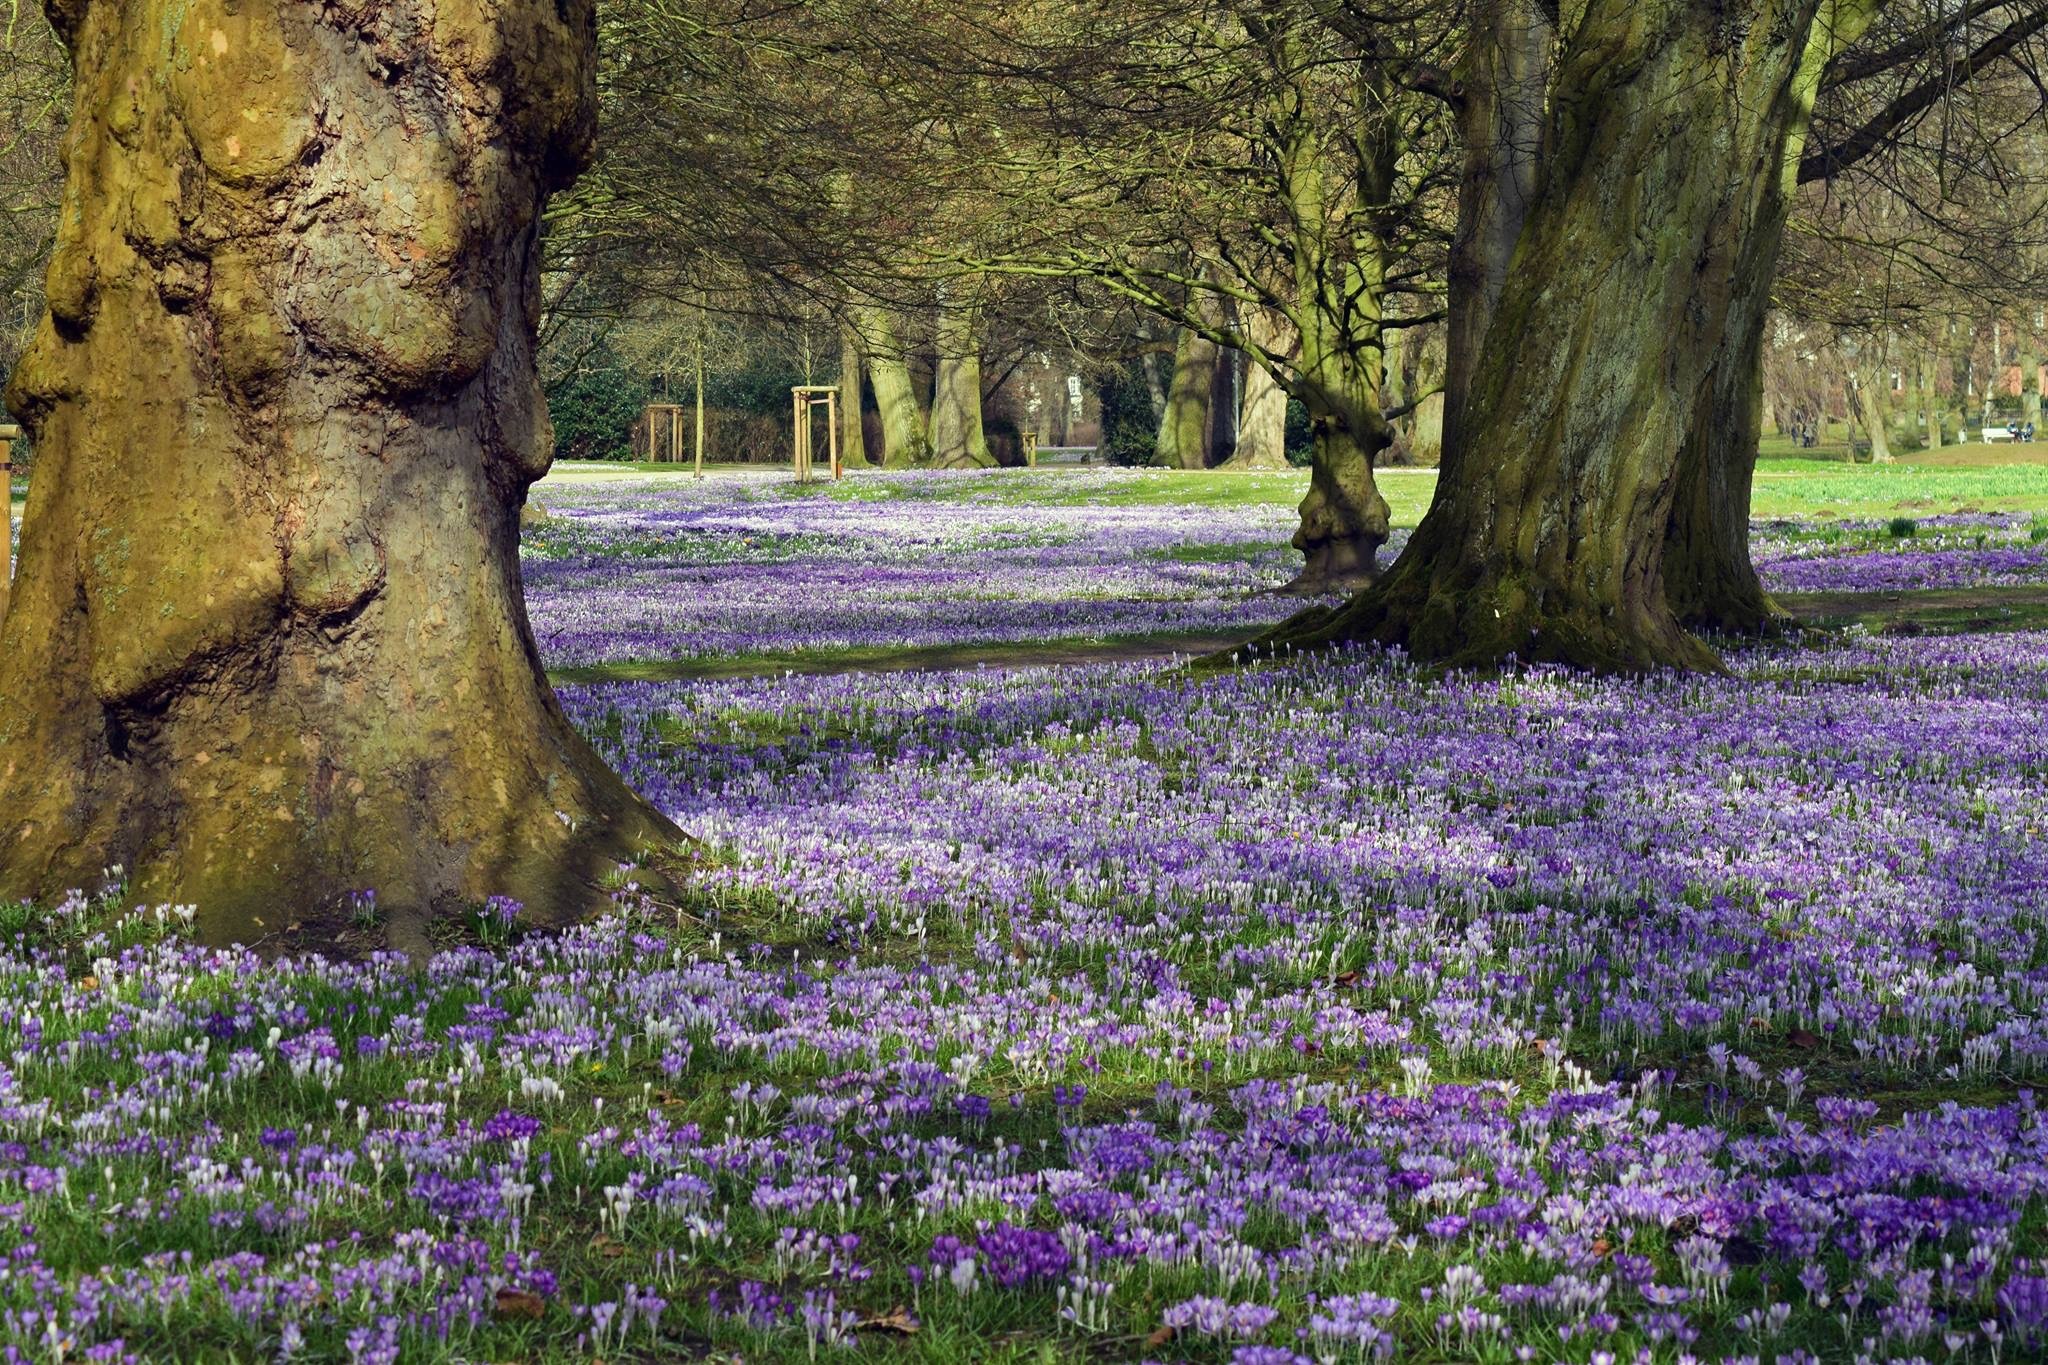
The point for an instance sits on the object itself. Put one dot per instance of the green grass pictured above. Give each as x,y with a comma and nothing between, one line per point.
1818,483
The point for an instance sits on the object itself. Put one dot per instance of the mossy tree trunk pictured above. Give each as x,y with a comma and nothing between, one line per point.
1184,427
853,447
1339,322
1505,79
958,441
269,645
904,442
1710,581
1666,122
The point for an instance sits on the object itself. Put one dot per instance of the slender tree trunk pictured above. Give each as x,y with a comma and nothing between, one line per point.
1666,127
957,438
1870,411
269,645
1506,79
1932,399
853,451
2030,387
904,442
1184,427
1262,423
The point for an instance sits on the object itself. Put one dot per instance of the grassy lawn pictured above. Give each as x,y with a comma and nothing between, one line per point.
1818,483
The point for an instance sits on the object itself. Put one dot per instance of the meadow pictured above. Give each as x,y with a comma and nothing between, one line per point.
1321,1010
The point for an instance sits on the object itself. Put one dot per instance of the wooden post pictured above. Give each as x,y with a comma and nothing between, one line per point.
832,430
1030,442
8,436
700,407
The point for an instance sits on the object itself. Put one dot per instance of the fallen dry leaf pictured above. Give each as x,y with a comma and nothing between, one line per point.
517,1303
897,1320
1160,1337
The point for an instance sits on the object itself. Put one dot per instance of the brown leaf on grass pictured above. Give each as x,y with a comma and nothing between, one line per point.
896,1320
1160,1337
1799,1037
1602,1247
606,1247
1345,979
88,983
517,1304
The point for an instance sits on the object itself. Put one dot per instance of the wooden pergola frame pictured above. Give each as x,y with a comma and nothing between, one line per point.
674,413
803,398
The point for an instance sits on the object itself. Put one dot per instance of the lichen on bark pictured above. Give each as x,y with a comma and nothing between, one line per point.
269,645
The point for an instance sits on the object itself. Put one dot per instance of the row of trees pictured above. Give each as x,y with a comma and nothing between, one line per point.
268,641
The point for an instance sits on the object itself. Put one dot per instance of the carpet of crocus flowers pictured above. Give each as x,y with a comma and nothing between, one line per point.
749,563
1320,1010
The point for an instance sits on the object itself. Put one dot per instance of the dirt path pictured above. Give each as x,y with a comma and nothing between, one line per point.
1027,654
2016,607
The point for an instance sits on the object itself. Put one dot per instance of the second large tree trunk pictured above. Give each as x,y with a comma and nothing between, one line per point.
1666,126
269,645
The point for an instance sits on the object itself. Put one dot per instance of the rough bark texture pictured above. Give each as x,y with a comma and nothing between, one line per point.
1505,77
1666,126
1344,520
904,443
853,449
1710,580
1184,427
1262,420
269,645
958,441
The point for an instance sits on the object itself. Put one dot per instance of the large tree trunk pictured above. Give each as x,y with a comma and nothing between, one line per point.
1505,76
1262,420
1666,126
1710,581
269,645
1184,428
904,442
853,450
957,438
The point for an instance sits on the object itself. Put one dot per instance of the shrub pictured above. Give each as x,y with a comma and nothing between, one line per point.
1903,528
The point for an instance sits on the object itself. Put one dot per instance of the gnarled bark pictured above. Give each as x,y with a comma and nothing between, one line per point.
269,645
1666,125
1344,519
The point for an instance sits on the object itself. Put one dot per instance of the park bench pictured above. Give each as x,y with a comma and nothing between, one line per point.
1996,434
